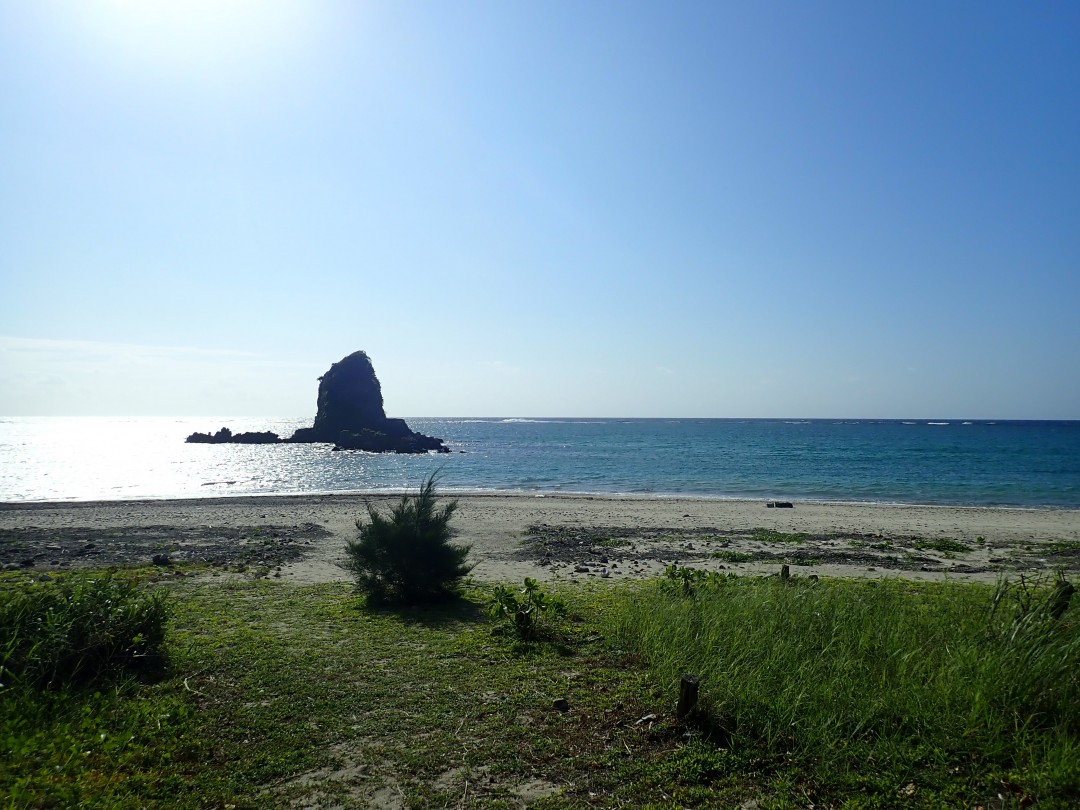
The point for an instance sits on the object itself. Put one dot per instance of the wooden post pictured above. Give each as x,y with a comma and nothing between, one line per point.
785,573
688,691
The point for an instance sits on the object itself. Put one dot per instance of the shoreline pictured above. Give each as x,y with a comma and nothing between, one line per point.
564,537
466,493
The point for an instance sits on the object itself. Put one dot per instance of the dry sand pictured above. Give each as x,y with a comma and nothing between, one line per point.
301,538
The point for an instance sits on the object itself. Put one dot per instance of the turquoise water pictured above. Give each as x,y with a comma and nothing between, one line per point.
917,461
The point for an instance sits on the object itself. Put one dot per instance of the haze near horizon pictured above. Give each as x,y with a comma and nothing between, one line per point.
599,209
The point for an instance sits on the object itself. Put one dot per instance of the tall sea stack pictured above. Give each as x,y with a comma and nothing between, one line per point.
350,415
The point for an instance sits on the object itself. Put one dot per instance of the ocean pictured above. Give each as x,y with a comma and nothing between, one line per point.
947,461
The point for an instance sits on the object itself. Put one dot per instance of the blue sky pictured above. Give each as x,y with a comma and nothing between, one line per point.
558,208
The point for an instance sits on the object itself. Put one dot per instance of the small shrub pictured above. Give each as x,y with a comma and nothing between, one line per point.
407,557
77,629
682,580
526,610
732,556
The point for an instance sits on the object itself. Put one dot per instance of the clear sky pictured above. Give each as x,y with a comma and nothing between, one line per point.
541,208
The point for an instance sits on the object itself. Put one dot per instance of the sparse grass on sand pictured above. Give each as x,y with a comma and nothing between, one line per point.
827,694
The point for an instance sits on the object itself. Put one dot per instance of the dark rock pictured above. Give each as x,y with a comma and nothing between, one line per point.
160,559
561,705
226,436
350,416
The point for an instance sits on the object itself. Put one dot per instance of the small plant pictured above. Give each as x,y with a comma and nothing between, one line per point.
771,536
685,581
945,546
77,629
524,610
732,556
407,557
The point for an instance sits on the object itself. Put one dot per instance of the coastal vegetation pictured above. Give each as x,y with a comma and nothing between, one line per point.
825,693
406,557
528,612
78,628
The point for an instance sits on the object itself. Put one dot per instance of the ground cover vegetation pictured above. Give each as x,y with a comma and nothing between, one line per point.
78,628
827,694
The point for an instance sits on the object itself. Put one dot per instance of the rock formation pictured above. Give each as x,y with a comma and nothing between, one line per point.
350,415
226,436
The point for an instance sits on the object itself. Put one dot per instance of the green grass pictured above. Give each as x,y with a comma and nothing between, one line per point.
837,694
77,627
930,685
732,556
770,536
1063,545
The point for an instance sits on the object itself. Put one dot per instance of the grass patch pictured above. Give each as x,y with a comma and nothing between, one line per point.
77,628
1063,546
770,536
949,691
945,546
832,693
732,556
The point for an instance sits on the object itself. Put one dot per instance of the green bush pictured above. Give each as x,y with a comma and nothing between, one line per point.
407,557
78,628
524,611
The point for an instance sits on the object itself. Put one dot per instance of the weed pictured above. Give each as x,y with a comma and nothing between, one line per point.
78,628
771,536
680,579
1059,546
732,556
524,611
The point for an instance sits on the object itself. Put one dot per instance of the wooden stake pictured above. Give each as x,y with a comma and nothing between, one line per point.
688,692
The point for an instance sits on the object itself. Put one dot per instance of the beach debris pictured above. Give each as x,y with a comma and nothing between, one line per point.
780,505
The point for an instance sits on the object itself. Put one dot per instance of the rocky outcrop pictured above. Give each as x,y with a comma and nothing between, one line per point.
226,436
349,415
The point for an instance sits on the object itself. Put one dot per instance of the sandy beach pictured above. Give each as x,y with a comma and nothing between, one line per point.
567,538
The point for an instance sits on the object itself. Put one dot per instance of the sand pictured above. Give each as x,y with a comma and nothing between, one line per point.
567,538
